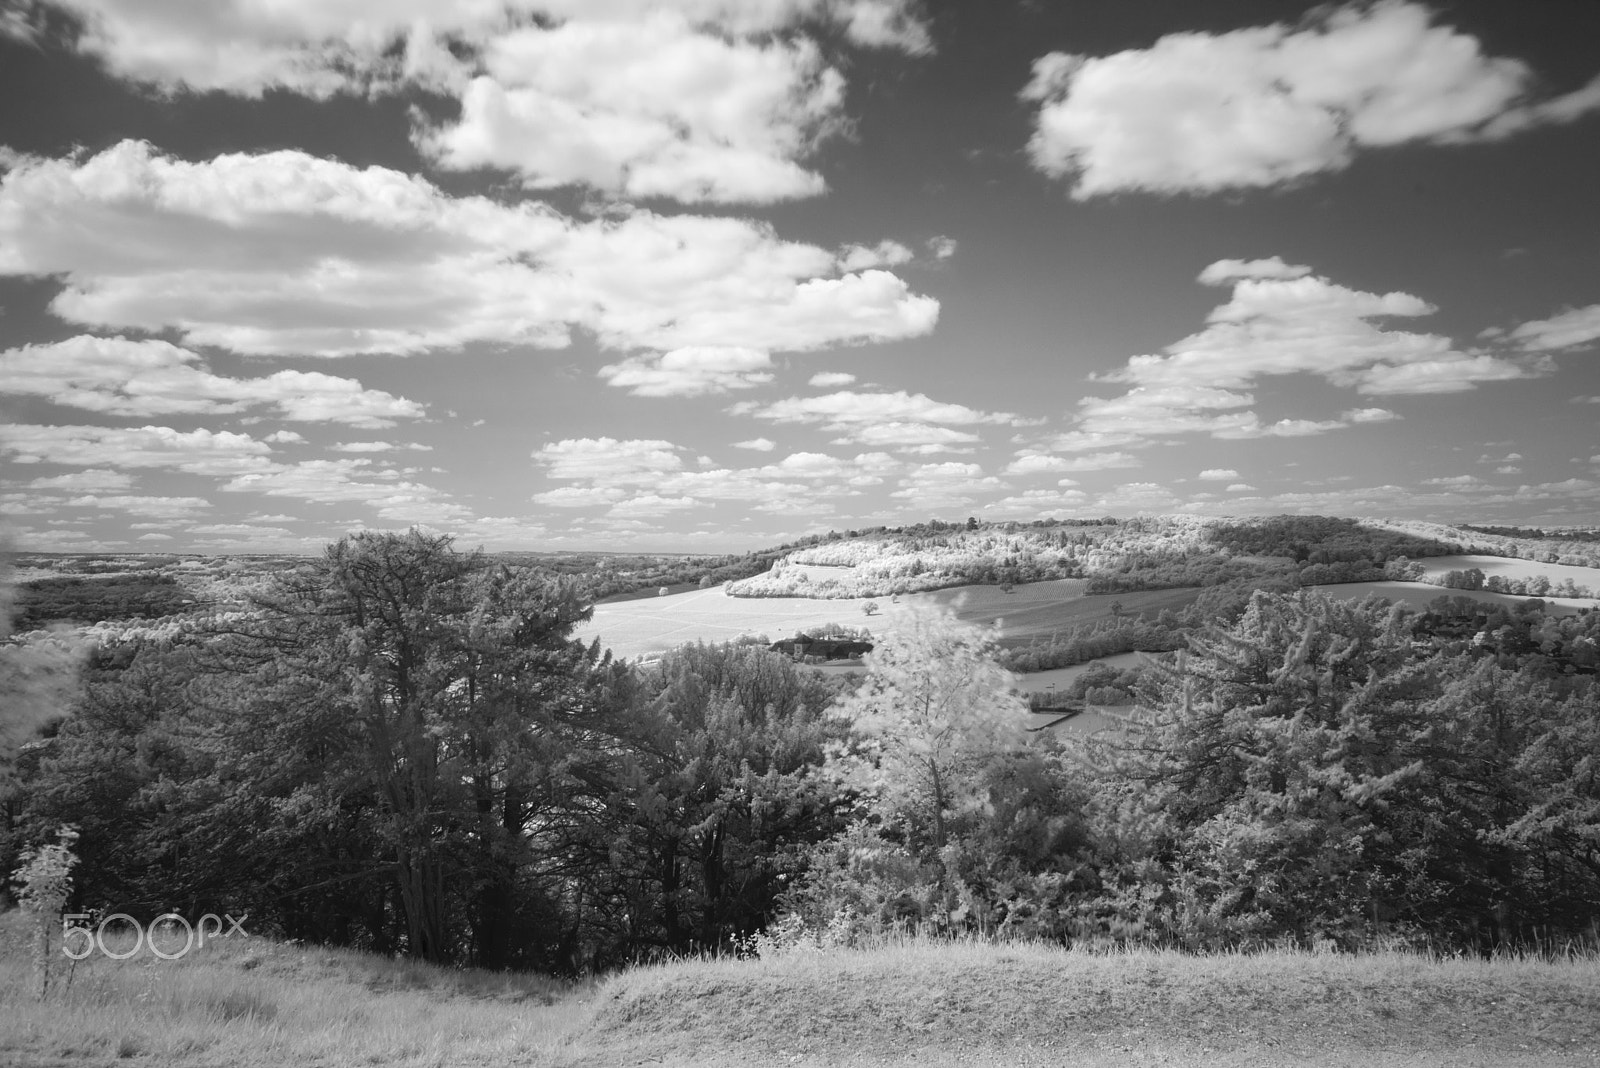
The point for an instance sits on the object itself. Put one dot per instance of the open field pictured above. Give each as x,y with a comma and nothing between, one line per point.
255,1003
1511,569
1420,594
651,625
1061,678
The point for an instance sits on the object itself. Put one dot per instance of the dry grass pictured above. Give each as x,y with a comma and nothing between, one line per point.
944,1004
254,1003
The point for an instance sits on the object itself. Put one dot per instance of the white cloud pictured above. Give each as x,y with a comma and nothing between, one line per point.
831,379
377,446
317,48
845,408
142,378
652,108
690,372
1199,113
635,459
757,444
942,247
94,480
200,452
1239,487
285,253
649,504
1218,474
1574,327
578,496
1368,415
885,254
945,485
1288,324
882,420
157,507
1224,271
285,437
700,100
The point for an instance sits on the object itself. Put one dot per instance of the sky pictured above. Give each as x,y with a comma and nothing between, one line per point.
708,275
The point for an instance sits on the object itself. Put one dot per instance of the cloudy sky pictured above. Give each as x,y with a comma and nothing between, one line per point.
708,274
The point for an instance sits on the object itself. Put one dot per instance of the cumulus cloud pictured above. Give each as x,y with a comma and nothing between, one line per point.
94,480
141,378
1030,462
653,108
1218,474
698,100
1224,271
1199,113
1368,415
573,458
831,379
880,419
1279,321
244,462
157,507
199,452
757,444
244,47
650,504
690,372
1570,329
885,254
945,485
286,253
378,446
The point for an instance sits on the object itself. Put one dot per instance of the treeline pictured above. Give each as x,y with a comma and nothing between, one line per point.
1316,539
610,576
96,598
1536,533
1473,578
404,750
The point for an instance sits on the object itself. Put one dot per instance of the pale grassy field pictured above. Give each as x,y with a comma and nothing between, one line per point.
256,1004
1061,678
650,625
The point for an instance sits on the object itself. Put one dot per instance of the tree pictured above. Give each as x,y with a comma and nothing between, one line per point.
721,797
870,608
445,702
39,679
934,711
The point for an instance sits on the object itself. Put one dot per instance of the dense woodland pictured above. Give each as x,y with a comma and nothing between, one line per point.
400,747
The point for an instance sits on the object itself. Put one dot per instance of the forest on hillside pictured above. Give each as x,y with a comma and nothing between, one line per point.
400,747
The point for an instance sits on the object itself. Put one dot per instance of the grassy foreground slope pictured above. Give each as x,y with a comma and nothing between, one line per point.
946,1004
257,1003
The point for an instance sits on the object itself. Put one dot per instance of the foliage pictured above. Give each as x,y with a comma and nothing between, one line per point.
1310,775
93,599
44,883
719,799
